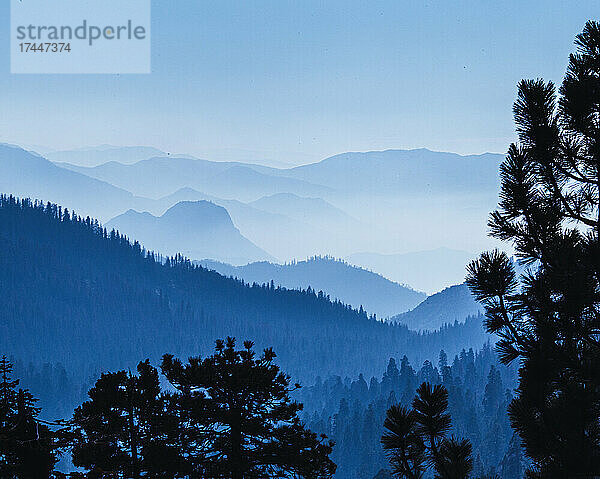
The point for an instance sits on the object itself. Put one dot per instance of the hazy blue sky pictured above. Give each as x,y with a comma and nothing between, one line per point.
298,81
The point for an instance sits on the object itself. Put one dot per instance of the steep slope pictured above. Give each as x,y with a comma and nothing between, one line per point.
287,230
26,173
248,218
337,279
72,293
277,233
196,229
452,304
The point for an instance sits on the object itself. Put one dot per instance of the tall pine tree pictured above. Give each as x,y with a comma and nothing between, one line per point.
549,318
416,438
27,446
246,425
125,430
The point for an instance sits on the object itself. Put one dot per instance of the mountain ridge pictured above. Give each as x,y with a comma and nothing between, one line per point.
414,267
94,156
336,278
25,173
96,288
452,304
197,229
215,178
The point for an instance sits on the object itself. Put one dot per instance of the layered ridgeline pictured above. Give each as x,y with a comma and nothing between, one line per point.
94,156
26,173
197,229
416,268
353,202
73,293
349,284
284,224
358,202
244,182
391,172
449,306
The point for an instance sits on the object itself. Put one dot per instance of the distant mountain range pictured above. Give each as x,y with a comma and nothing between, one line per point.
314,211
99,155
372,202
25,173
391,172
107,305
337,279
196,229
416,268
28,174
161,176
414,198
285,224
415,172
452,304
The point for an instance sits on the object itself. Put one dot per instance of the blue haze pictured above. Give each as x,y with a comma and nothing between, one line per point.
298,81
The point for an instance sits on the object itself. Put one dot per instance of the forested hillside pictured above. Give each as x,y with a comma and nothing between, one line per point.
74,293
352,412
350,284
449,305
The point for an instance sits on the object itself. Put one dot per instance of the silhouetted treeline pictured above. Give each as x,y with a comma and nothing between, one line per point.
547,317
72,292
228,415
352,412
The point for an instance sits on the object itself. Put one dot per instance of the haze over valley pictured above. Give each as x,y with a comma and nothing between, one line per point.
325,240
413,216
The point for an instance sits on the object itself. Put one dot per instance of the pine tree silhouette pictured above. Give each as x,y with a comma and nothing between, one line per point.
416,438
549,318
28,449
125,430
247,425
